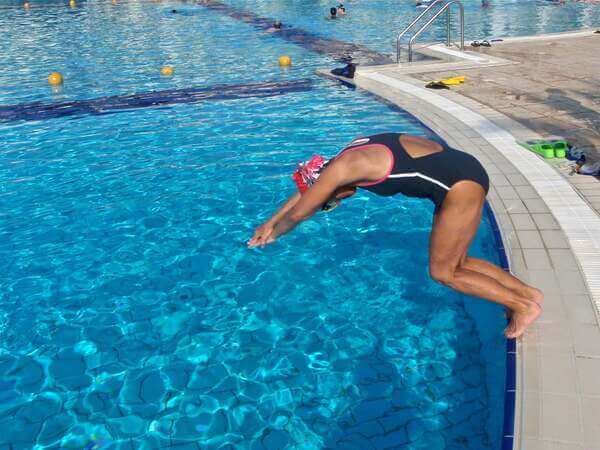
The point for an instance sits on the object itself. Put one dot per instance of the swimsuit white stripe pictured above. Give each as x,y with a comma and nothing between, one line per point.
419,175
360,141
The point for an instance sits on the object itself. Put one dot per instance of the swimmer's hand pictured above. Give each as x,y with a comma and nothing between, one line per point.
263,235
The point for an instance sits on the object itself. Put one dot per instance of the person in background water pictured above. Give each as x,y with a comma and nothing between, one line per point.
341,10
396,163
423,3
275,27
332,13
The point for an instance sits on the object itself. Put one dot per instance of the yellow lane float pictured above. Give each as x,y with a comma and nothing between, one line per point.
285,61
167,71
55,79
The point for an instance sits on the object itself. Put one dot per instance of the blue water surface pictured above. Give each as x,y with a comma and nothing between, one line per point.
132,315
377,23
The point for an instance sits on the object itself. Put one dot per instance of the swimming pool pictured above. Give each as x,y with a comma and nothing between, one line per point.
132,313
376,24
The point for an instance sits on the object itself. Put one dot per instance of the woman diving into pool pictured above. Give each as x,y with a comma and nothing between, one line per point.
392,163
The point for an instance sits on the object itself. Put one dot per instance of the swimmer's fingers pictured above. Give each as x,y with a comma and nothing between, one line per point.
260,241
257,235
269,240
266,241
261,235
255,241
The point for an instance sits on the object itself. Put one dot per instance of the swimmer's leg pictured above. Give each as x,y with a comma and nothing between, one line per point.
453,230
503,277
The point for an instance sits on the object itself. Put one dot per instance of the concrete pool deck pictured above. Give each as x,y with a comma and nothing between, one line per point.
551,86
549,224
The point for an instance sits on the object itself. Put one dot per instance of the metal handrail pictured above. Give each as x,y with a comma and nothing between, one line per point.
446,8
407,29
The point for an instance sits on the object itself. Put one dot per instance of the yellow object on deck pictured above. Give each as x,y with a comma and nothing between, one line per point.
453,81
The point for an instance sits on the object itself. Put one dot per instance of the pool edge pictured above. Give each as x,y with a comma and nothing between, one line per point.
510,380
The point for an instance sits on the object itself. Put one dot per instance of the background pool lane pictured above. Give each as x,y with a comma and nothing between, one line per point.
130,308
102,50
376,23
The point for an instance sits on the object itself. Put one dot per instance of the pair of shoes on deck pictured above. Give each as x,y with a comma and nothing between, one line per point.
481,44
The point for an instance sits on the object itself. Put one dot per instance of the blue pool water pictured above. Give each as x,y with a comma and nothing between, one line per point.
376,23
132,315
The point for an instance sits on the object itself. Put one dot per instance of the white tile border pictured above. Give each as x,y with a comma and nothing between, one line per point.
549,36
442,48
579,222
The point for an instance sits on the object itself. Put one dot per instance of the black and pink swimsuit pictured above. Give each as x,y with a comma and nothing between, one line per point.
429,176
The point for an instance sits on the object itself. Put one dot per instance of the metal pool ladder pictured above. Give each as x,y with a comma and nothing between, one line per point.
436,9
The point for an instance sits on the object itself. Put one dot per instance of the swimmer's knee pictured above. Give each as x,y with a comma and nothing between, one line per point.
442,274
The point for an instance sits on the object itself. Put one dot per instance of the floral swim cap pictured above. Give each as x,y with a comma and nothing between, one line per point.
308,173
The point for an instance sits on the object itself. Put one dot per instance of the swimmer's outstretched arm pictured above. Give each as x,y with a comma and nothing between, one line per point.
262,232
289,204
337,174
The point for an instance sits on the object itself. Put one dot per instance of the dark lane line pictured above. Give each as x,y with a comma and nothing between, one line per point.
339,50
107,105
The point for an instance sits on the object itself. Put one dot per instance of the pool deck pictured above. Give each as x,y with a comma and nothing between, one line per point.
551,87
549,221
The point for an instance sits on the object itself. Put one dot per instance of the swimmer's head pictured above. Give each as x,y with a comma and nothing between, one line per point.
307,173
333,11
174,11
277,24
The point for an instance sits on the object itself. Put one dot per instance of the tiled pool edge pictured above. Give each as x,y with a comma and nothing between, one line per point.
542,403
510,383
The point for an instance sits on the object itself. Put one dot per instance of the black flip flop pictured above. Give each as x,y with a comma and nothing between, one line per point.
475,44
436,85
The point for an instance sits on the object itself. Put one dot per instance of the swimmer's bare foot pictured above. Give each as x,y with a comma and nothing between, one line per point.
520,320
532,294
